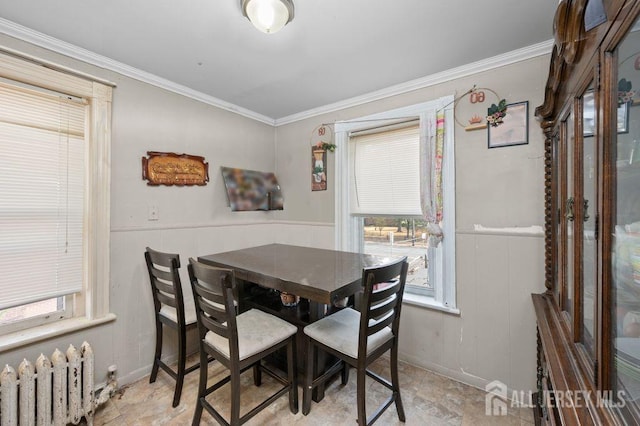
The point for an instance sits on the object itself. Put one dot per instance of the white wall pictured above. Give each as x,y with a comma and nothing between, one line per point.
493,338
192,220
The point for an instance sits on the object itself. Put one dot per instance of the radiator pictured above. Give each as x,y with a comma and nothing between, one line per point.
55,391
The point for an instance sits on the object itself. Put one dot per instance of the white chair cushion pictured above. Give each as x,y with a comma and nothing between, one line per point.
172,314
257,331
190,316
340,331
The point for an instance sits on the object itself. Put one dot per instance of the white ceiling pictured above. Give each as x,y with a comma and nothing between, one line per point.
333,50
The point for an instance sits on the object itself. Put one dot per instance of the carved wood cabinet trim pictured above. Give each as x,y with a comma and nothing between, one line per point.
581,62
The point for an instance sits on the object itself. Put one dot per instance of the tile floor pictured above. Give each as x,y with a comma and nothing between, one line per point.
429,399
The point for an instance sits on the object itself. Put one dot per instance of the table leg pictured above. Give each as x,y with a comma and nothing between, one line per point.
316,312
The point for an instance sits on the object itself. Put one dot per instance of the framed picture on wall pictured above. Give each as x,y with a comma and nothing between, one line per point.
514,129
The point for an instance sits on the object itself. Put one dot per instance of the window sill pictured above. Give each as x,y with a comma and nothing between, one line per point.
35,334
427,302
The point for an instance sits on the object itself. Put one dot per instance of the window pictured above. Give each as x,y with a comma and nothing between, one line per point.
378,208
400,236
55,140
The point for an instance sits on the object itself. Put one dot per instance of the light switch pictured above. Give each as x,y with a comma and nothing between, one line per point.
153,212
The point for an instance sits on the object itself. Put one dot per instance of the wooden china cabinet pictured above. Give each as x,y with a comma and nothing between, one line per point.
588,319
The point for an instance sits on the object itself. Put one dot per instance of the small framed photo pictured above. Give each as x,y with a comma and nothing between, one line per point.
514,129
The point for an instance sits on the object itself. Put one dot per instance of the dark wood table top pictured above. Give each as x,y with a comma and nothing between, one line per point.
320,275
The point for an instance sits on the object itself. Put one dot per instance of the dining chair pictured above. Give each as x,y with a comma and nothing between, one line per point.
170,311
357,338
238,342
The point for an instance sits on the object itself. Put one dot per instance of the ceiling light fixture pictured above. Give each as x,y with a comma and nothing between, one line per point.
269,16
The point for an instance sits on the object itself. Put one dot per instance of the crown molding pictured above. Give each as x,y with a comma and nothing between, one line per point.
67,49
20,32
487,64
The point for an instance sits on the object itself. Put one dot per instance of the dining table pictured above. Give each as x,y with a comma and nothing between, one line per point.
323,280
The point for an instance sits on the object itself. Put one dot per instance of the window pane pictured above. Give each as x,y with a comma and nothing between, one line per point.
625,257
42,172
569,284
396,236
588,225
386,172
31,310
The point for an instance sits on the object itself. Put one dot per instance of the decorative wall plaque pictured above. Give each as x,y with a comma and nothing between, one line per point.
168,168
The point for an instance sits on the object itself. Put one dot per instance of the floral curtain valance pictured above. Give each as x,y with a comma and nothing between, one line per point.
431,155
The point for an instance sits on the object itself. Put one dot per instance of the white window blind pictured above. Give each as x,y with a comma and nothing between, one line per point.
42,169
386,172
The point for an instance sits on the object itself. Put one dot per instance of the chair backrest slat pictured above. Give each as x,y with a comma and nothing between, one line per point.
212,294
375,326
165,299
386,273
211,303
164,287
163,259
165,281
215,326
380,310
382,299
384,290
162,274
